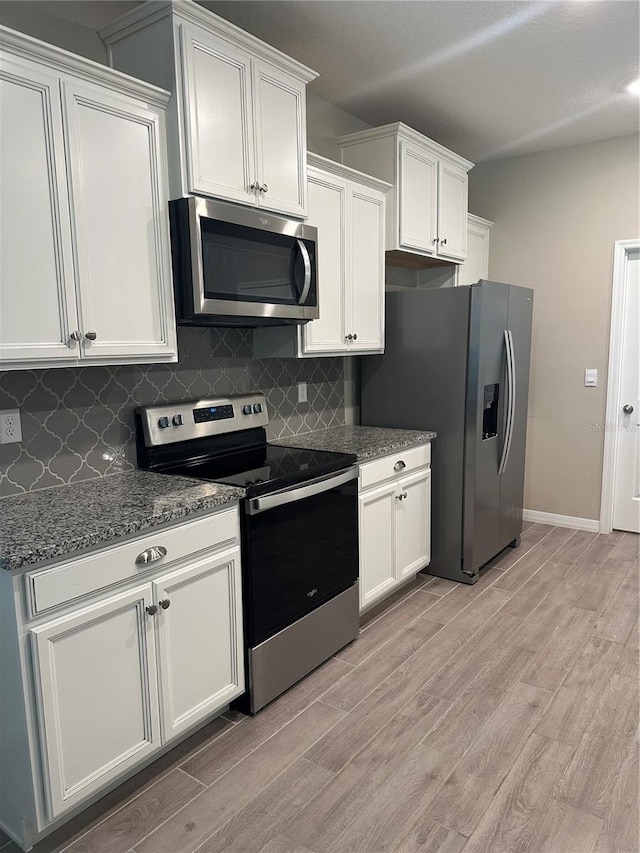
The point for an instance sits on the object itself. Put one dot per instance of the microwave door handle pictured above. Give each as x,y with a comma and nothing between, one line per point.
306,260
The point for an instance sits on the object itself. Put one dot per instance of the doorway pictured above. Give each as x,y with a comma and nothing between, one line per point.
621,472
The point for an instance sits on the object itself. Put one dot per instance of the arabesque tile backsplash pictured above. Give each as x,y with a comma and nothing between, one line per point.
77,423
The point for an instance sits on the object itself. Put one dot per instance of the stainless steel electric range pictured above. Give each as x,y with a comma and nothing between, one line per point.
299,523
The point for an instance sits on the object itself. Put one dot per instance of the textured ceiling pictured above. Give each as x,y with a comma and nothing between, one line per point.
487,78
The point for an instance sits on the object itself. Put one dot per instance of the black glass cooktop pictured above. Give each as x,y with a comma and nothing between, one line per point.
266,468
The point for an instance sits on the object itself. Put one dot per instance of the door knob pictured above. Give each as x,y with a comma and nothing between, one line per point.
151,609
165,603
75,336
348,337
91,336
264,188
627,409
442,242
254,186
355,337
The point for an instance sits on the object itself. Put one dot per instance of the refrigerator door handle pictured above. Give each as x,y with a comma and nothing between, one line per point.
511,408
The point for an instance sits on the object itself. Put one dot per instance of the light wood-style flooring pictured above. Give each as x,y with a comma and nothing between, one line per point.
501,716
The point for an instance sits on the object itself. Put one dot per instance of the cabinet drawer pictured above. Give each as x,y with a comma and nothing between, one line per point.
63,583
395,465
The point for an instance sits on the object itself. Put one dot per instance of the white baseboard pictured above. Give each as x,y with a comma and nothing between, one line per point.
591,524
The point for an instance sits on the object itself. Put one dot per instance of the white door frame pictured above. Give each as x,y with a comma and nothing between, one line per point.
621,251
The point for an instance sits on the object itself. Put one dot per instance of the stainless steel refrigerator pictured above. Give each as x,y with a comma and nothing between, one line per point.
457,361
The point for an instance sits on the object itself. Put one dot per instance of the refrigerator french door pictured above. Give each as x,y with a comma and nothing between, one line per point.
457,361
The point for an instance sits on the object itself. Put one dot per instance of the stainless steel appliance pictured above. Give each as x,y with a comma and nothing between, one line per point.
457,360
234,266
299,524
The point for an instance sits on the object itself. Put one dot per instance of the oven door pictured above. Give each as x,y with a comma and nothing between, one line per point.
244,264
300,550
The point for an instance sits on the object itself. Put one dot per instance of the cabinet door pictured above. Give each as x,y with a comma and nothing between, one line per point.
218,117
414,524
280,133
200,639
96,694
37,296
328,213
366,270
476,265
453,194
418,199
120,224
377,527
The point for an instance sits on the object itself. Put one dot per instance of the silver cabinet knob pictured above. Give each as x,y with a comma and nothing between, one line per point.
75,336
400,464
151,609
254,186
405,495
264,188
348,337
151,555
355,337
627,408
435,240
91,336
442,242
165,603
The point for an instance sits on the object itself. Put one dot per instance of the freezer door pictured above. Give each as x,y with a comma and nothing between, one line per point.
496,419
419,383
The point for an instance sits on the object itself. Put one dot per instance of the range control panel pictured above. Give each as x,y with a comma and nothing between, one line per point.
170,422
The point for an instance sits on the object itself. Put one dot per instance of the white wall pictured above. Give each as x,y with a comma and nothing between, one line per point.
557,215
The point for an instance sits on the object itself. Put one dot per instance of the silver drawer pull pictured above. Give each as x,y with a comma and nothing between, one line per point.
151,555
399,465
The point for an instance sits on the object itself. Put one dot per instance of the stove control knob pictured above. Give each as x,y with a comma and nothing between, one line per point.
247,410
163,422
177,420
257,408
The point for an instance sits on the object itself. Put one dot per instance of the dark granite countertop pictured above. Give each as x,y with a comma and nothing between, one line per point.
365,441
62,520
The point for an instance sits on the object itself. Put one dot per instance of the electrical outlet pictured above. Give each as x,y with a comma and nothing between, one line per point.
10,427
302,392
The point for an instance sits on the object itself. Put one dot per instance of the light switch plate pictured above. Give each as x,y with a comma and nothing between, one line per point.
591,377
302,392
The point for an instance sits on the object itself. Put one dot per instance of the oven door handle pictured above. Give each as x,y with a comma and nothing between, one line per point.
288,496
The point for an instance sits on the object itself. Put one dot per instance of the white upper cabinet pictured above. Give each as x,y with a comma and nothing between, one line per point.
238,109
427,210
347,208
85,256
477,263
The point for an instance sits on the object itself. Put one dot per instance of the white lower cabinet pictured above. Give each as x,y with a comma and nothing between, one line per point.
107,659
96,694
395,522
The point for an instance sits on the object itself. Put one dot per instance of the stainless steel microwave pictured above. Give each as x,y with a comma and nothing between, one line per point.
233,266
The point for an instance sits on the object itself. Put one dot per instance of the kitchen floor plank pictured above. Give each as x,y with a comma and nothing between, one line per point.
620,832
564,829
554,661
329,814
387,626
267,813
574,704
534,632
438,586
452,604
628,546
526,568
220,756
591,777
396,802
468,792
460,726
522,797
621,613
629,663
425,836
365,678
604,585
531,537
465,666
208,812
282,844
575,546
123,829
